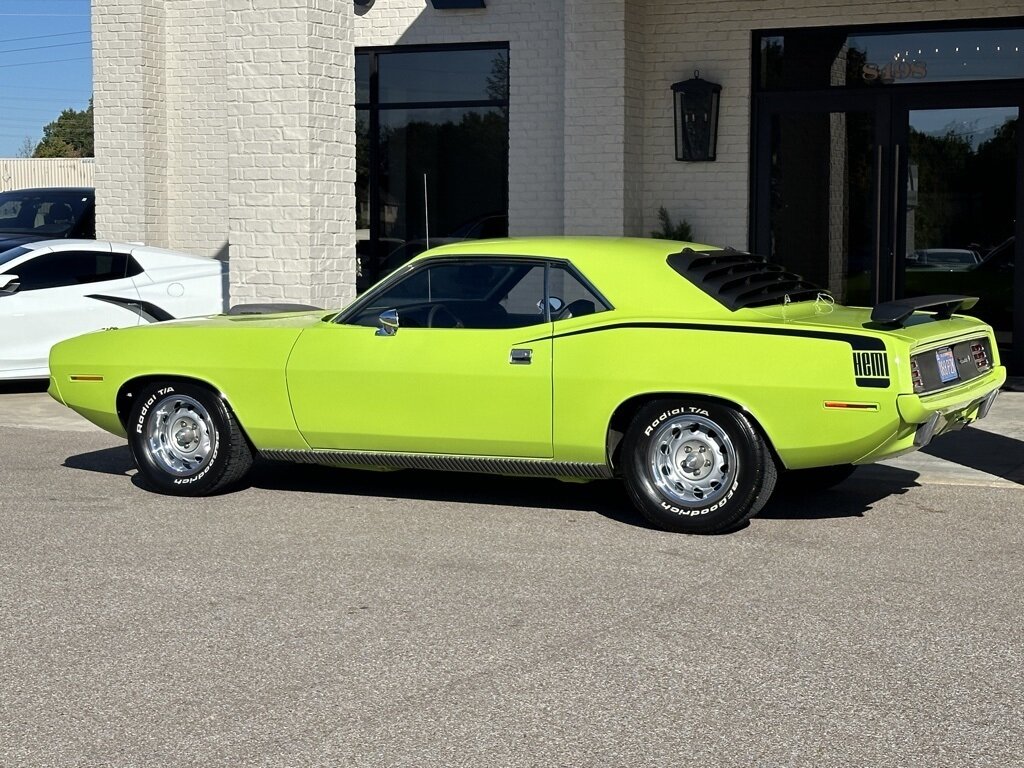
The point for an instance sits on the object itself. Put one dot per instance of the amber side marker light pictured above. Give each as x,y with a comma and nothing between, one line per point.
838,405
86,378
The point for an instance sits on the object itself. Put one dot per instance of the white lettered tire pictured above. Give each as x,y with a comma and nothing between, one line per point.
694,466
185,440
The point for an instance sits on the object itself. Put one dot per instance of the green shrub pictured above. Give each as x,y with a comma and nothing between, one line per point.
671,231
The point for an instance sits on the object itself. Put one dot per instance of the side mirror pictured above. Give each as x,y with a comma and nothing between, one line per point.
9,284
387,323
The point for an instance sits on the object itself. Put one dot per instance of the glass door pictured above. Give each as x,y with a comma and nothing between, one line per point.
820,202
884,195
960,209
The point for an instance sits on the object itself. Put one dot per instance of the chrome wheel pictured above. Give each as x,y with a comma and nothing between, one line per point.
180,435
691,460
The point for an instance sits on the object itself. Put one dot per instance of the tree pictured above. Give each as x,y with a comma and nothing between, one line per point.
26,148
70,135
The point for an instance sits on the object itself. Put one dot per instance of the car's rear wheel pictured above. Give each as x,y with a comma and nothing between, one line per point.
186,441
694,466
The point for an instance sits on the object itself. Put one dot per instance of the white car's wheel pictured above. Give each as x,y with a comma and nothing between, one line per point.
186,441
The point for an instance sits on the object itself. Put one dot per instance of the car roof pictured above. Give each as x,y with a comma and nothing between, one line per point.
631,272
152,256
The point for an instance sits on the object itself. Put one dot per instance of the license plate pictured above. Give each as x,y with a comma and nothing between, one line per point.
947,365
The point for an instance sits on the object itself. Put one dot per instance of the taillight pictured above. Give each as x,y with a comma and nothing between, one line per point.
980,356
915,376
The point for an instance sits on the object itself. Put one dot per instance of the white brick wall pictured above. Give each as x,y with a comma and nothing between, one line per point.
130,104
197,140
595,116
226,127
291,133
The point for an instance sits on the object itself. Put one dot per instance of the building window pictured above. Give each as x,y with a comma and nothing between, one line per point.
431,150
840,57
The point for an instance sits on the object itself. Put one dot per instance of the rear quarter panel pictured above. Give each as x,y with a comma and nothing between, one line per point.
782,381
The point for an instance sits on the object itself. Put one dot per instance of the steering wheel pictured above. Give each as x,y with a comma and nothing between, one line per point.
442,317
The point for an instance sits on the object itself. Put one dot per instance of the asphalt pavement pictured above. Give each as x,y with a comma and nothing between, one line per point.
332,618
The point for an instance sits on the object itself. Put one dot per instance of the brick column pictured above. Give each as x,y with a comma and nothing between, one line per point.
601,55
291,133
129,87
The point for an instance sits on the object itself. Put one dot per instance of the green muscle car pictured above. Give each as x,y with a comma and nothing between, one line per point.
695,374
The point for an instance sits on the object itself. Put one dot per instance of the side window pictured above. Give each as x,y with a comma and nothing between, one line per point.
574,298
9,211
463,294
56,270
132,267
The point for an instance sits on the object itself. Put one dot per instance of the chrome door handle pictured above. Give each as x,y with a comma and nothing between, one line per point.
521,357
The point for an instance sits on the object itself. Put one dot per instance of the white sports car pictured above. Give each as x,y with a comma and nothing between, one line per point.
55,289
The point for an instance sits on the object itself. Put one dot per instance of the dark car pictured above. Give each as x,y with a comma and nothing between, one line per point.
991,279
29,215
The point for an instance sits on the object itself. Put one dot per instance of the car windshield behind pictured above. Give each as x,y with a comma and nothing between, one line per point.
52,212
12,254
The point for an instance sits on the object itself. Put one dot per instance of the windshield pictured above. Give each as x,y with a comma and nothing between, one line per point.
9,256
52,212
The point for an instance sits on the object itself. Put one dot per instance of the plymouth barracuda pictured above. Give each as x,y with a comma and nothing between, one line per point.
695,374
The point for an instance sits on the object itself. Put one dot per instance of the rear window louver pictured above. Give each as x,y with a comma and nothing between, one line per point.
738,280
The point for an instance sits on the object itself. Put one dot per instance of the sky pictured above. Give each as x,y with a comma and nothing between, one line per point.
45,66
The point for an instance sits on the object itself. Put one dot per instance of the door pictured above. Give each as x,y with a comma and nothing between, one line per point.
820,202
888,194
960,179
60,295
462,372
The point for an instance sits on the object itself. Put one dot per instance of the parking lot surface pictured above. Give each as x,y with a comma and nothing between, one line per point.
332,618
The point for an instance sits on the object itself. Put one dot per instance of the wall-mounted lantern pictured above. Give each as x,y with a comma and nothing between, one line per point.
696,111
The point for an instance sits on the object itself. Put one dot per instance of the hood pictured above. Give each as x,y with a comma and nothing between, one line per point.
279,320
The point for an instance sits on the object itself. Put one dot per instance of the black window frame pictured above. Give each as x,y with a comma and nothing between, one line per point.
374,107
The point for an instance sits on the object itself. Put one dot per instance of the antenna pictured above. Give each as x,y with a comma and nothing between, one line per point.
426,210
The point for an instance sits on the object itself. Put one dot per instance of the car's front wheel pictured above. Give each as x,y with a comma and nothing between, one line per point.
695,466
186,441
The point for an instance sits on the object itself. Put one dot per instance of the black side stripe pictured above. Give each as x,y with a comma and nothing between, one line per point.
859,343
151,313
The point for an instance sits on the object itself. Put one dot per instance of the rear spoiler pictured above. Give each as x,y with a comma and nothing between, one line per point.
898,312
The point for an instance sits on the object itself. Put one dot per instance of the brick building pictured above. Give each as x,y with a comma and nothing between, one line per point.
289,134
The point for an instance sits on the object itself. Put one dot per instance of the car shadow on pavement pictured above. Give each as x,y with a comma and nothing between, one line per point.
109,461
851,498
21,387
985,451
604,497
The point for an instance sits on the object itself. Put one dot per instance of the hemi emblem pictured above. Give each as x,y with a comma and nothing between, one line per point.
870,365
871,369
